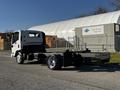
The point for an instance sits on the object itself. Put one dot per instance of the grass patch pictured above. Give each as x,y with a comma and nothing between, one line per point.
115,58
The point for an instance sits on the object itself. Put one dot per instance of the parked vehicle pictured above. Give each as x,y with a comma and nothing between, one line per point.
29,45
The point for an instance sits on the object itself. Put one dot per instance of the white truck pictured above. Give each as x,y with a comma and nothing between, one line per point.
30,45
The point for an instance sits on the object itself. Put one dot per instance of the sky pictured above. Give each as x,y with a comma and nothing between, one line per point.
23,14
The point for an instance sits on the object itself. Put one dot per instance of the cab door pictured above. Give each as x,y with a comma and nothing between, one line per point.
15,42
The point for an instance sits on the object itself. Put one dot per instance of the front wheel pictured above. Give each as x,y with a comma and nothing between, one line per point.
54,62
19,58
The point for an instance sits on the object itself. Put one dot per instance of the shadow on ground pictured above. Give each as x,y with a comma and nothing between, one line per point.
111,67
34,63
31,62
96,68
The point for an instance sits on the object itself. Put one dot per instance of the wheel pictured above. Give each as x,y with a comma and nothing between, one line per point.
78,61
54,62
19,58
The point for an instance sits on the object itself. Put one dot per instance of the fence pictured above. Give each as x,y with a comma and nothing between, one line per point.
94,43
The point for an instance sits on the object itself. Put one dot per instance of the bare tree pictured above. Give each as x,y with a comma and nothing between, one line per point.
98,10
116,4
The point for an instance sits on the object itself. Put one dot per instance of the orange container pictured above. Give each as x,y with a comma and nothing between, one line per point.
50,41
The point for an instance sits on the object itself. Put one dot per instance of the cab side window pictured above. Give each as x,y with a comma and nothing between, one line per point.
15,37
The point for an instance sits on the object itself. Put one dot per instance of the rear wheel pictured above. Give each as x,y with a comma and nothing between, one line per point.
78,61
54,62
19,58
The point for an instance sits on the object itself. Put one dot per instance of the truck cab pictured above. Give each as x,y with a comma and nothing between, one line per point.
26,42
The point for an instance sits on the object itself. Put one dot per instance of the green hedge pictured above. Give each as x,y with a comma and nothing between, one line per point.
115,58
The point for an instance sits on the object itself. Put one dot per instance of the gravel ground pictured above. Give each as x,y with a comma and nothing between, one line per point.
33,76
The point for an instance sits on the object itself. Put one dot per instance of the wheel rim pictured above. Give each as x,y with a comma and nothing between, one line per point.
52,62
19,58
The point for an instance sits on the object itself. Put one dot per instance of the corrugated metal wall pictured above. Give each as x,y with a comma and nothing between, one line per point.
109,41
1,43
5,43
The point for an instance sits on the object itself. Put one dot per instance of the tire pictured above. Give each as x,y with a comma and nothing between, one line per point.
54,62
78,61
19,58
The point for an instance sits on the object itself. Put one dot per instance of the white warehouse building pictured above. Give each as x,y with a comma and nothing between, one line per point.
98,32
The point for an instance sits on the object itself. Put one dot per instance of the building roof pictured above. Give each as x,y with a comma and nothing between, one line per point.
67,27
